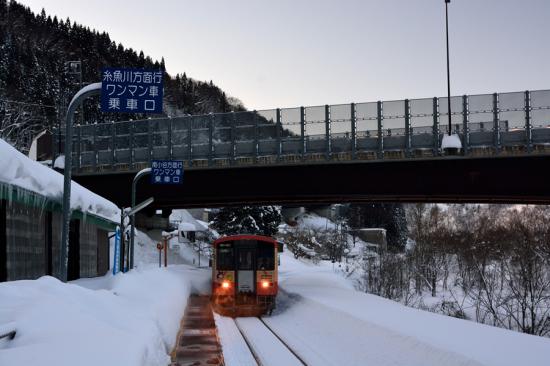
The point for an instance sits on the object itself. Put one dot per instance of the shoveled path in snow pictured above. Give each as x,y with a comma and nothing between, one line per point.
197,342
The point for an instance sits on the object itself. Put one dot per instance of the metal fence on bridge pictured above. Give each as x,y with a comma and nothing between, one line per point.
488,124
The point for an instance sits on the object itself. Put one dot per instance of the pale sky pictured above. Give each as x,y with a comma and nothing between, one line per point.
287,53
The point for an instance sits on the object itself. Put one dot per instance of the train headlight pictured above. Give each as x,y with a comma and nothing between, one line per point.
265,284
226,284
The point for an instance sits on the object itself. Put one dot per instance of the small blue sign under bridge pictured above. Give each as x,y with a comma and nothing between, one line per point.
166,172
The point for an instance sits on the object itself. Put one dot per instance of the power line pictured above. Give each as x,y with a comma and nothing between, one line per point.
25,103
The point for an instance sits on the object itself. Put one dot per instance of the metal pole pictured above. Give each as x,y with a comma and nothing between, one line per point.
87,91
353,118
379,108
140,174
122,243
465,121
165,252
528,126
448,69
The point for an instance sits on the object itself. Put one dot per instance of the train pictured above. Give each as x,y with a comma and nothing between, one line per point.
245,275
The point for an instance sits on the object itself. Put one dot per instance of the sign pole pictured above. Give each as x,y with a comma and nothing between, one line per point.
87,91
140,174
165,252
159,247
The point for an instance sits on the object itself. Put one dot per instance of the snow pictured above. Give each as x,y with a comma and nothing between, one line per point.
267,348
130,319
313,221
327,322
184,217
131,323
451,141
59,162
95,87
18,170
235,350
184,226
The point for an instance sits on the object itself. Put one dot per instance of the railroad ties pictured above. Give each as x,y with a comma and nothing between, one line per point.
197,342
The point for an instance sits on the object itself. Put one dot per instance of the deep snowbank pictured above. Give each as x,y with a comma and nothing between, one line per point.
18,170
328,322
132,323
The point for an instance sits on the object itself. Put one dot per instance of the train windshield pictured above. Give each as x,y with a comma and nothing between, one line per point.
225,260
266,256
245,259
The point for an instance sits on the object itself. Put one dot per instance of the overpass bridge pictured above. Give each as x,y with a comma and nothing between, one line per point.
385,150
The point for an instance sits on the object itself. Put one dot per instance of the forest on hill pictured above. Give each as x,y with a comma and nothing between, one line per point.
36,83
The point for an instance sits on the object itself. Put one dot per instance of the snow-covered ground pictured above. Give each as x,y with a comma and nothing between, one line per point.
326,321
132,319
129,319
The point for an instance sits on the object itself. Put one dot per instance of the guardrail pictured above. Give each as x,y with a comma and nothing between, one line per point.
488,124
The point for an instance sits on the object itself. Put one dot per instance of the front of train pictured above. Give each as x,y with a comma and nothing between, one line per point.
244,275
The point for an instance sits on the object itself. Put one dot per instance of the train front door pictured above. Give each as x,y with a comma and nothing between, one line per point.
246,283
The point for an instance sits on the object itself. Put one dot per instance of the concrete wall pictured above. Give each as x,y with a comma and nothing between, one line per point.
25,246
88,249
30,241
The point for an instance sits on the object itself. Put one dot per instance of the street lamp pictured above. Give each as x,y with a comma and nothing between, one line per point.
448,71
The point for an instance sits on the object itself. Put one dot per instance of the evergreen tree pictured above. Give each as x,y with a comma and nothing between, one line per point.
389,216
33,52
261,220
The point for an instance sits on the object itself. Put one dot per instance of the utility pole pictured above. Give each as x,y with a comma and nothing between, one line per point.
448,68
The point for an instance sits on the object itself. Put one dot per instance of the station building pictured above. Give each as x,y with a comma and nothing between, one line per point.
31,223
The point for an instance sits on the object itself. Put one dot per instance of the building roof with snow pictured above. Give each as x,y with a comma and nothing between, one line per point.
31,183
186,222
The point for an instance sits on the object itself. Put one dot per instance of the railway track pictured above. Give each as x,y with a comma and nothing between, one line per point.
265,345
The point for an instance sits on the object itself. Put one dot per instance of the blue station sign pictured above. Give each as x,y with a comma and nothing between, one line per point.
166,172
131,90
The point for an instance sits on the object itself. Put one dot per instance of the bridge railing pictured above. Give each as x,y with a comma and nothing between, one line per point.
488,124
